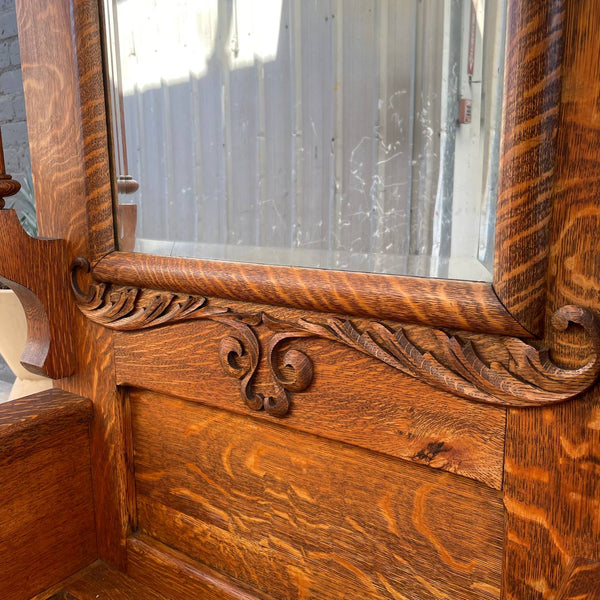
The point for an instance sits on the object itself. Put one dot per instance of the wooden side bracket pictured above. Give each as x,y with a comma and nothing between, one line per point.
37,271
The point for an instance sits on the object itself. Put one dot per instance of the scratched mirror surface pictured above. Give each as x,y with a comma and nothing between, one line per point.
357,135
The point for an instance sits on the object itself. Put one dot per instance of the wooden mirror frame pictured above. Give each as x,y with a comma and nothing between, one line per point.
512,305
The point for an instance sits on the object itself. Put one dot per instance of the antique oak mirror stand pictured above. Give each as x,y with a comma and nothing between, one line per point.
224,430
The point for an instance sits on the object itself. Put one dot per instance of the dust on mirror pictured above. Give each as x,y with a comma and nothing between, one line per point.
359,135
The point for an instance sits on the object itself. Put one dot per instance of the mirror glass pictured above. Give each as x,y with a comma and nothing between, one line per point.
354,135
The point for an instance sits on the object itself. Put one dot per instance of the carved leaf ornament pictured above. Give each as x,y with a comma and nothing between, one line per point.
494,370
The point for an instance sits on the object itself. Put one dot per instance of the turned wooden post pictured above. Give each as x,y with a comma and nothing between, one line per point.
8,186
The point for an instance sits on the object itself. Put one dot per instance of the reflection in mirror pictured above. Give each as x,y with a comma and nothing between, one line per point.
342,134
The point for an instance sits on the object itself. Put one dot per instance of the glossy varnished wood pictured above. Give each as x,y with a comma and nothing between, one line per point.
177,577
66,121
94,127
581,580
47,509
26,422
497,370
552,481
528,160
296,516
351,398
443,303
62,78
550,476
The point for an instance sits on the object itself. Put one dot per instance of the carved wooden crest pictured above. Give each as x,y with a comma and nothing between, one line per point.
498,370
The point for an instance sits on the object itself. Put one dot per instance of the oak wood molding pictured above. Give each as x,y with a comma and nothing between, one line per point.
498,370
62,64
436,302
532,91
35,270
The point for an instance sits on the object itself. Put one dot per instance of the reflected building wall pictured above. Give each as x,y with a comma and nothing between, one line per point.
317,126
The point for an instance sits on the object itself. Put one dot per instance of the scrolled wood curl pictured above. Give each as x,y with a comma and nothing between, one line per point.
233,350
291,370
129,309
457,363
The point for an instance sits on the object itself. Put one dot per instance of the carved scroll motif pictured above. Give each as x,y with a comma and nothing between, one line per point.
496,370
129,309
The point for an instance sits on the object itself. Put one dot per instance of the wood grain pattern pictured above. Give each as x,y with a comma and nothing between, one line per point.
35,270
552,454
67,128
450,362
26,422
297,516
111,463
551,491
528,157
552,480
406,419
60,46
94,127
47,509
581,581
433,302
100,581
177,577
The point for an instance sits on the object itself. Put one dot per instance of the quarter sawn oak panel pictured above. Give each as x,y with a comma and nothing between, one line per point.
300,517
352,398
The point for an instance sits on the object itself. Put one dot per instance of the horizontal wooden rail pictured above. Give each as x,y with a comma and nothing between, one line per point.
471,306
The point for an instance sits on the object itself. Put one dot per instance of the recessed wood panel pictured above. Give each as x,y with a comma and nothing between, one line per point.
352,398
296,516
